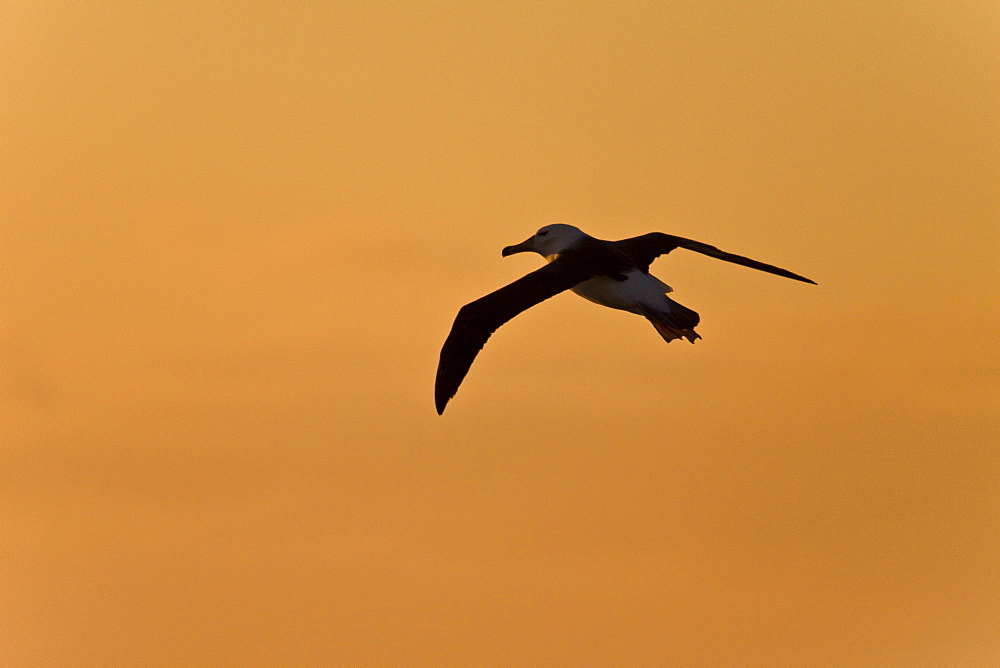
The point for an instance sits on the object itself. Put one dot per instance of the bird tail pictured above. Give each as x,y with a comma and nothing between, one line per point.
673,322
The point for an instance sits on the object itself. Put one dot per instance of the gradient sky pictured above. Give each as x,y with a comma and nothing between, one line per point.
235,235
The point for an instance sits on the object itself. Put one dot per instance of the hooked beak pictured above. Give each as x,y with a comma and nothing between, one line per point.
523,247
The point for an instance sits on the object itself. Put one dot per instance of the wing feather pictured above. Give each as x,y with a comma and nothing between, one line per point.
646,248
476,321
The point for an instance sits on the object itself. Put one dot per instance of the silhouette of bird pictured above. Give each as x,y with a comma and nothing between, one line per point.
610,273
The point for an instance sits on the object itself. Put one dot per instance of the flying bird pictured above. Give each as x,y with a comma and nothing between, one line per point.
610,273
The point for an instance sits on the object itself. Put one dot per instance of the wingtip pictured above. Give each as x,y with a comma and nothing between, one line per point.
797,277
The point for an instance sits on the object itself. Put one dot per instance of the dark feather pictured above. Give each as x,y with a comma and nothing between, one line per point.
646,248
478,320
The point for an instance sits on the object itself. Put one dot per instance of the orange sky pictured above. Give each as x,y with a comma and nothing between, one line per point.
234,237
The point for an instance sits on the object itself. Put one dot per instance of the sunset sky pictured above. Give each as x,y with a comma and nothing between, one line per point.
234,235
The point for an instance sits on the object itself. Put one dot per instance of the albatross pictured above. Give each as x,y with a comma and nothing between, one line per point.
610,273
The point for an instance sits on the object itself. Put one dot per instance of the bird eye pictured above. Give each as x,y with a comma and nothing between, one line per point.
543,233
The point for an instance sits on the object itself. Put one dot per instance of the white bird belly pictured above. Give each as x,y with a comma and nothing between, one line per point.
637,288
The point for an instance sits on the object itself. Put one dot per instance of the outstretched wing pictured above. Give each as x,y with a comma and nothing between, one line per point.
646,248
478,320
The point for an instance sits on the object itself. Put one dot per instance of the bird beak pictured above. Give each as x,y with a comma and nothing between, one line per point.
523,247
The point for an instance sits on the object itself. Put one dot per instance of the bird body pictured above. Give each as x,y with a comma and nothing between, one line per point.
637,288
614,274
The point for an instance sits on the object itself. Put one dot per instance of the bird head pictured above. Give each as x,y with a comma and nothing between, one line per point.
550,240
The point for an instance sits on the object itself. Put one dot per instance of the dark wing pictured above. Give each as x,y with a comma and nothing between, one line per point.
477,320
646,248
